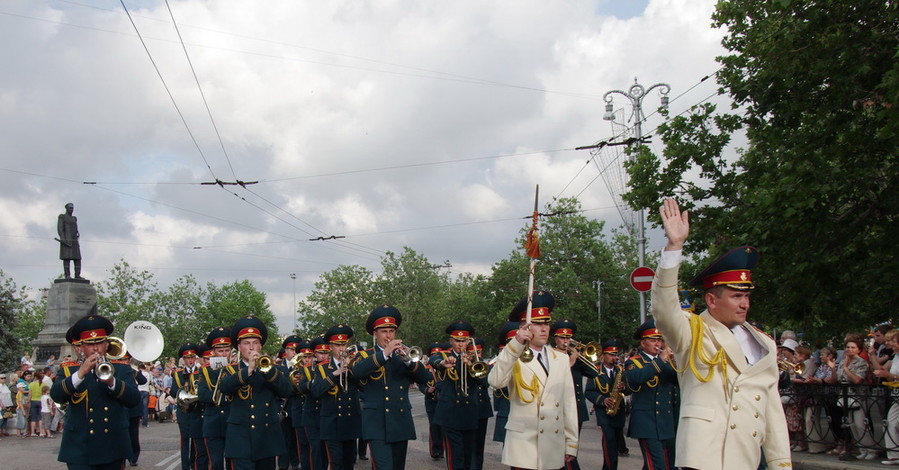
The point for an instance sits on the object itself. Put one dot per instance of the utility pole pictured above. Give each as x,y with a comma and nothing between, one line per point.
598,284
635,95
293,276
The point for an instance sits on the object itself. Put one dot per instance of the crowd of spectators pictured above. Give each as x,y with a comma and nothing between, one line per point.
851,410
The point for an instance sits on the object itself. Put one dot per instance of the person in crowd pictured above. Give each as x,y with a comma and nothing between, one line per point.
787,352
253,439
457,401
7,405
35,386
542,431
386,373
216,409
729,375
606,392
26,361
98,398
189,418
340,416
429,390
889,374
788,334
879,353
562,332
852,370
23,406
48,409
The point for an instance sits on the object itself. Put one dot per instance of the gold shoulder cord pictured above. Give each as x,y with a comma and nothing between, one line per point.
697,329
518,381
598,383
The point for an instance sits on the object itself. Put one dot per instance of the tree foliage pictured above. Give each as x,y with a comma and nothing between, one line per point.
815,85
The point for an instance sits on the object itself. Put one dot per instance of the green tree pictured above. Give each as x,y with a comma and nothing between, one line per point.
127,295
11,343
342,295
816,188
225,304
574,256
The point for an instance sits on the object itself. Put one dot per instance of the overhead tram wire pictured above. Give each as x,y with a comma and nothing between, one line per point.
167,90
200,88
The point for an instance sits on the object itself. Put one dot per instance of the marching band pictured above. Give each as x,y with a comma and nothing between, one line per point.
309,407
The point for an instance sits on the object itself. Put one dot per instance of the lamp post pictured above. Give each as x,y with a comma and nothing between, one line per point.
293,276
598,285
635,94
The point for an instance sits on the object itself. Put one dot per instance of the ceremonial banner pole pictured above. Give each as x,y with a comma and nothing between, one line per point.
532,249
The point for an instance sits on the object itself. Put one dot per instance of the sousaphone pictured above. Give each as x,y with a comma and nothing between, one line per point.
144,340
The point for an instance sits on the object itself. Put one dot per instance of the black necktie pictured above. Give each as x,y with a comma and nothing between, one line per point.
540,357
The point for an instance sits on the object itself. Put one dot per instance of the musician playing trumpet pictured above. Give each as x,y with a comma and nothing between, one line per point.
337,388
604,391
562,332
253,438
190,420
96,434
386,372
216,410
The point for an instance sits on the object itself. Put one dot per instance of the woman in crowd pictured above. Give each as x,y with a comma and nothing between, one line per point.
822,375
852,370
889,372
7,407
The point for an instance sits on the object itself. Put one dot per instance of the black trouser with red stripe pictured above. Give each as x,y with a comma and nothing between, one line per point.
657,455
610,446
459,447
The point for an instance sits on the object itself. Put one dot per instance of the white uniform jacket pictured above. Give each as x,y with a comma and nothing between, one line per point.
726,420
543,424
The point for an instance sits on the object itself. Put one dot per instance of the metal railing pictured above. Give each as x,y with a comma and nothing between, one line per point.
843,412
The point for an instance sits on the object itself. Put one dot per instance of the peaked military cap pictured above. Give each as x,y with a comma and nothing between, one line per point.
647,330
248,327
507,332
385,316
731,270
318,344
434,348
541,308
219,337
70,338
281,353
204,351
304,348
339,334
92,329
563,328
460,329
188,350
291,342
611,346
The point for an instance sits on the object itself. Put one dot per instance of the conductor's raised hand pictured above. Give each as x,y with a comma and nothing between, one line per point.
524,334
676,223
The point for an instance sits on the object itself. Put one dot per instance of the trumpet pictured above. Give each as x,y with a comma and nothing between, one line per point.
115,351
412,353
264,363
786,366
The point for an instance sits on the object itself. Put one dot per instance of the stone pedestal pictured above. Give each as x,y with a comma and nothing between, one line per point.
67,301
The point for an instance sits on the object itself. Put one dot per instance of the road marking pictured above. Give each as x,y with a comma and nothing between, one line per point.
167,459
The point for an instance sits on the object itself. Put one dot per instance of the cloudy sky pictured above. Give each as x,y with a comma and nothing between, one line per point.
392,123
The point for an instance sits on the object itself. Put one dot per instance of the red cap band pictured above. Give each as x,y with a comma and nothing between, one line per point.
322,347
93,335
249,333
384,322
208,353
460,334
651,333
291,345
564,332
339,338
537,314
610,350
736,276
221,341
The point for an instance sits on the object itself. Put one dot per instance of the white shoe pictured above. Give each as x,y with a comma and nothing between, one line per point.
890,462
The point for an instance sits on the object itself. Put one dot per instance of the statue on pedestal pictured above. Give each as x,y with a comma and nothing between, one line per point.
69,249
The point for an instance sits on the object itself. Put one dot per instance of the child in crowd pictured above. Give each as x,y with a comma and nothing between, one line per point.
47,411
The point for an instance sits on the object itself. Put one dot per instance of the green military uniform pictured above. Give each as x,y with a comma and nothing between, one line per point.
651,382
385,382
253,438
340,419
96,428
598,389
216,407
190,420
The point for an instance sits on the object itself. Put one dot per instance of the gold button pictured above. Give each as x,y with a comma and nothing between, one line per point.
756,414
91,431
735,408
252,406
733,426
91,420
339,414
401,387
541,431
105,408
557,405
90,409
386,398
736,389
754,434
106,430
386,388
542,417
387,410
252,416
252,426
105,420
758,397
266,404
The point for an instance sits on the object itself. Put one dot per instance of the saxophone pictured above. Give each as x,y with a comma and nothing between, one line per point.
616,395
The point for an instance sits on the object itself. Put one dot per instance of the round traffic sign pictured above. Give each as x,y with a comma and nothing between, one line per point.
641,278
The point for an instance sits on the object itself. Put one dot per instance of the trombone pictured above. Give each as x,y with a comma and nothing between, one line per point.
587,353
477,369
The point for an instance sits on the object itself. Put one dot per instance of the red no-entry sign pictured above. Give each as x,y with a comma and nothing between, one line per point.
641,278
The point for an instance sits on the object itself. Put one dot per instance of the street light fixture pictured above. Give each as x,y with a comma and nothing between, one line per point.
635,95
293,276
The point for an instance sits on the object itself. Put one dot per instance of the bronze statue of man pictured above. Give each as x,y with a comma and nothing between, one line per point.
69,250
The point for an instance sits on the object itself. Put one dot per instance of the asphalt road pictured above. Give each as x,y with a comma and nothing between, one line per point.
159,449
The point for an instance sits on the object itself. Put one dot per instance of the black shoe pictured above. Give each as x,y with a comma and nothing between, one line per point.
362,457
847,456
133,464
